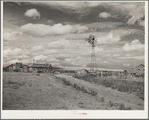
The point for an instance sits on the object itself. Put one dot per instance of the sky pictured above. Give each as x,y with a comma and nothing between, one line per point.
55,32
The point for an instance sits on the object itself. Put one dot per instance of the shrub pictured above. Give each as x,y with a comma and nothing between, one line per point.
128,108
93,93
75,85
84,90
113,86
15,86
67,83
110,104
115,104
38,74
121,106
101,99
78,88
22,83
120,88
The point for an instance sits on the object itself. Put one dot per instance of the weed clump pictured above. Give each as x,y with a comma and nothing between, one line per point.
38,74
121,106
101,99
93,93
67,83
111,104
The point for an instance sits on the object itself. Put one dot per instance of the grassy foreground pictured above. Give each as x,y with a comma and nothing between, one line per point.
112,97
129,86
27,91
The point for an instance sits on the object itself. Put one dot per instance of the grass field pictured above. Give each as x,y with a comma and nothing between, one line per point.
130,86
27,91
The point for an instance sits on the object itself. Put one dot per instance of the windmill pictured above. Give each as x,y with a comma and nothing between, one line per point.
92,40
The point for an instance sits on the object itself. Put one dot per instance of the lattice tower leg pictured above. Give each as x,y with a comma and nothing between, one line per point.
93,60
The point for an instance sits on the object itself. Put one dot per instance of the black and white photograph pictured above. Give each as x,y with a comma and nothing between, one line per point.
74,56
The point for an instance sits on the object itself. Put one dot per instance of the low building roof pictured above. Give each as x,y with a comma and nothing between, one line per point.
34,65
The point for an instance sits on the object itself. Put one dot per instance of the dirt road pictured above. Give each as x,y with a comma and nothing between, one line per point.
24,91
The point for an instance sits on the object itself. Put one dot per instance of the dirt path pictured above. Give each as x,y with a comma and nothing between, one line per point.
24,91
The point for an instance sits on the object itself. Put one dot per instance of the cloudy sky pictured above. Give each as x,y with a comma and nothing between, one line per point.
55,32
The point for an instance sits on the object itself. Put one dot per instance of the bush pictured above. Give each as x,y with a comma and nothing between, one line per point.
120,88
84,90
121,107
75,85
110,104
93,93
67,83
22,83
101,99
128,108
113,86
37,74
78,88
15,86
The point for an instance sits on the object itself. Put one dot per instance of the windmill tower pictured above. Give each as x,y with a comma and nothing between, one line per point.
92,40
34,61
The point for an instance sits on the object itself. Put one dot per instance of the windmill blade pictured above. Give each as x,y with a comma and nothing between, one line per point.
87,39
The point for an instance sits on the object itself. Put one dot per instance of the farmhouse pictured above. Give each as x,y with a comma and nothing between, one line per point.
10,68
17,67
14,67
5,69
45,68
140,69
24,68
137,71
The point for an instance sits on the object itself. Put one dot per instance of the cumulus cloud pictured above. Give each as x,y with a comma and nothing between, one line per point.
133,10
37,48
123,32
16,51
136,14
51,51
104,15
42,30
135,45
108,39
11,35
41,57
77,61
139,57
32,13
73,47
52,59
134,57
63,43
6,51
126,64
127,55
12,61
22,57
70,5
116,55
